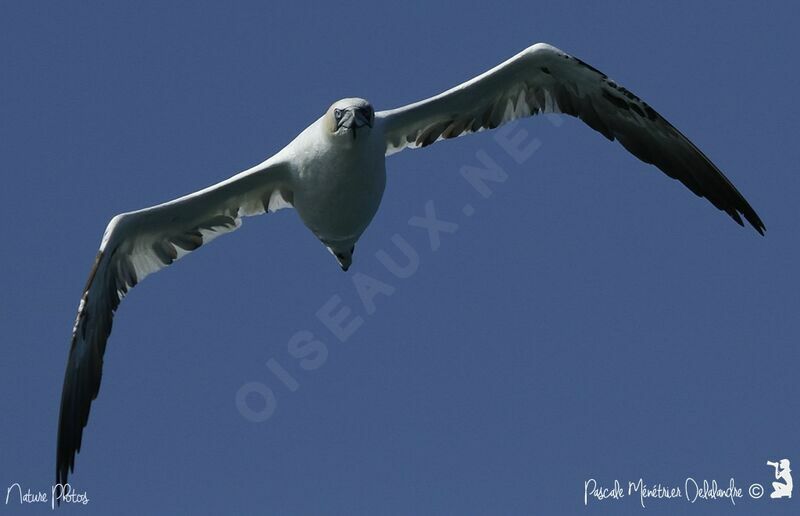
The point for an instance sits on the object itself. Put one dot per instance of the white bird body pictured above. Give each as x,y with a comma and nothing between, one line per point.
338,183
334,174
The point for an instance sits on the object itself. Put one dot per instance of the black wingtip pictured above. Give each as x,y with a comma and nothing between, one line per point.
756,222
752,217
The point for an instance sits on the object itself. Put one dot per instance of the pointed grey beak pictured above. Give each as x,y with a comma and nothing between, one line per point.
355,118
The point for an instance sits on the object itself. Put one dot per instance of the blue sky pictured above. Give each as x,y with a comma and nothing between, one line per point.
591,319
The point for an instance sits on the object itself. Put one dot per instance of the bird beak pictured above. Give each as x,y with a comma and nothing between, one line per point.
355,118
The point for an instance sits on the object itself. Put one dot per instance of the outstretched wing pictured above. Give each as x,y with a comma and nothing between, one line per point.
543,79
135,245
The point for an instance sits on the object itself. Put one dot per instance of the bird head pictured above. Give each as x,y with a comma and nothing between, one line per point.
345,117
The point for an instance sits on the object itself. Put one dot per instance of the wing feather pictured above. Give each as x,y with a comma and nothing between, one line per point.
135,245
543,79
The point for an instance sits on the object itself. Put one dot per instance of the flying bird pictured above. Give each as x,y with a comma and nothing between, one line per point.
334,174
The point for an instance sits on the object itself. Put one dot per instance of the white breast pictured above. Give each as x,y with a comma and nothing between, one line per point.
339,181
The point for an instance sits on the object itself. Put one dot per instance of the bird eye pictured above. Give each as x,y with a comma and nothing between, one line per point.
337,113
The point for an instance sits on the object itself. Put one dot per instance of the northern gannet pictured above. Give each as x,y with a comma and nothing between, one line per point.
334,175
